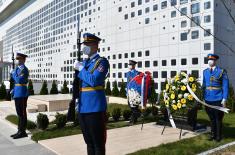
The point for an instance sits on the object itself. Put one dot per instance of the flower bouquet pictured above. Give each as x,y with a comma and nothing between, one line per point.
177,97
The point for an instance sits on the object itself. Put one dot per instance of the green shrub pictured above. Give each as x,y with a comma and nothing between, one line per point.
44,89
126,114
3,91
65,89
30,88
76,120
231,99
60,120
42,121
147,111
122,92
154,111
115,91
116,114
108,88
54,89
107,116
31,125
153,96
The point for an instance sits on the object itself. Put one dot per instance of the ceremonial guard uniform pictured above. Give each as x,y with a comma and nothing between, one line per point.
130,75
20,94
92,102
215,88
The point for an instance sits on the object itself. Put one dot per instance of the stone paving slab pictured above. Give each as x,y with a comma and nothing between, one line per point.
120,141
23,146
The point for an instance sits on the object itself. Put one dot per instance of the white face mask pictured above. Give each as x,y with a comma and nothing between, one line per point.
86,50
211,63
130,67
17,62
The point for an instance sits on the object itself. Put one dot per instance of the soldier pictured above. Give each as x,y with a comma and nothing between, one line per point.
20,94
92,103
216,87
130,75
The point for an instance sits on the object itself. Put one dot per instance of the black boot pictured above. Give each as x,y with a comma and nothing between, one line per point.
21,134
13,135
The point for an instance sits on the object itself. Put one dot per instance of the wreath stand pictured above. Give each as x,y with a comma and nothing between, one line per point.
188,121
180,120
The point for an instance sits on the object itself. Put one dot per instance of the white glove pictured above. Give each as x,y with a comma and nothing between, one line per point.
78,65
223,102
11,71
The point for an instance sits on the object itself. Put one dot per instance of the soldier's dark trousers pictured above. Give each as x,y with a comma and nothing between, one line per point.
216,118
93,127
21,105
135,114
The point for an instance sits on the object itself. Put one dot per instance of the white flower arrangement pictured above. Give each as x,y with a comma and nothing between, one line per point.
134,97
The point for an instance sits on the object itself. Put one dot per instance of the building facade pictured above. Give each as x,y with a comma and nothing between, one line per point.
153,32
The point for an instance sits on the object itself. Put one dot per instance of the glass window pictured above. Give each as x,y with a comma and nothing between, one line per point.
132,54
126,16
183,36
195,21
155,63
126,55
207,32
120,9
184,61
139,54
173,74
132,14
139,2
207,19
147,10
164,4
195,34
164,74
147,53
119,56
207,46
164,63
173,14
120,65
155,74
194,61
183,24
195,73
126,65
156,85
183,1
147,63
183,11
140,64
132,4
139,12
173,2
147,20
205,60
195,8
155,7
173,62
207,5
146,1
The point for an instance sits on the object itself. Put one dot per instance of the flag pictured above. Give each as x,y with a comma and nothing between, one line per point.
138,89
